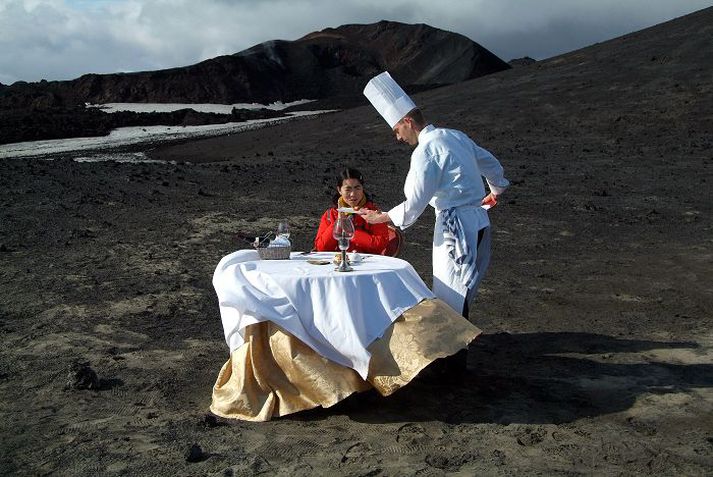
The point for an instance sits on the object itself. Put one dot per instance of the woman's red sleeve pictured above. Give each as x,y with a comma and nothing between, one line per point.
371,240
324,242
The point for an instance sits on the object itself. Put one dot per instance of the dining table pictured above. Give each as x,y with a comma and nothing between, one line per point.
302,334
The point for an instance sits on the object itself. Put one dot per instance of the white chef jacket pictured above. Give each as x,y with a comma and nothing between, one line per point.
446,172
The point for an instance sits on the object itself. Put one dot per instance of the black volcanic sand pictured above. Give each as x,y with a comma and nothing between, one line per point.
598,346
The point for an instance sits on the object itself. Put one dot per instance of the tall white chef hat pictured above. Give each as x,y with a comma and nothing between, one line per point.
388,98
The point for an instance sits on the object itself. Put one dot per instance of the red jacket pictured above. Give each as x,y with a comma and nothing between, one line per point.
368,238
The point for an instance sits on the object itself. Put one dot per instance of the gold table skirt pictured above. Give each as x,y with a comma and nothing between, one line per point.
275,374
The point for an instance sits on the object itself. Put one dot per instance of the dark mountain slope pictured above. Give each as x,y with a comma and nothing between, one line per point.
645,85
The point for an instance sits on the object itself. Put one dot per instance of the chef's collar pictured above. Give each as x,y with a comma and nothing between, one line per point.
426,130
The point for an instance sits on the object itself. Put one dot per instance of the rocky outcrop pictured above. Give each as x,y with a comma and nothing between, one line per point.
524,61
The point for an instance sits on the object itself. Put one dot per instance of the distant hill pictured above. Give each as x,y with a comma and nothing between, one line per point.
336,62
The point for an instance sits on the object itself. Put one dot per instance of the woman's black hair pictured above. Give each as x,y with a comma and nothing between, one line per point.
347,173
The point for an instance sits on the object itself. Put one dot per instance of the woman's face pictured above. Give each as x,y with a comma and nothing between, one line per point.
351,191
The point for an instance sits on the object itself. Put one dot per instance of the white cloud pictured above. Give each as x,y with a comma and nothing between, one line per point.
62,39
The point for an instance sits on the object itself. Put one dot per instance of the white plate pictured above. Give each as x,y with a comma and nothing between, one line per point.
346,210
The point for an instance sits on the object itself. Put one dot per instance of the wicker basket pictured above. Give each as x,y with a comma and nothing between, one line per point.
274,253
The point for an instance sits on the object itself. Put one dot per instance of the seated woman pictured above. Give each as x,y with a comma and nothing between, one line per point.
368,238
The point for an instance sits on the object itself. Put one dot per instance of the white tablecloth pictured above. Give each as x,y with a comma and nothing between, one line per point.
338,314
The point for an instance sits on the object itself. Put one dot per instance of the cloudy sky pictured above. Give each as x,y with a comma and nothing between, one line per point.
63,39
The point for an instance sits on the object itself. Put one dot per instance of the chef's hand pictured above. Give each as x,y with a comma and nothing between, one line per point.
374,216
490,199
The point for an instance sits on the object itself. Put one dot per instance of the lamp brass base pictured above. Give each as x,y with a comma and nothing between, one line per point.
344,264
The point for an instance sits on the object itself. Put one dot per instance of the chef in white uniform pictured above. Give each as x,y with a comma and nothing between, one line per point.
446,172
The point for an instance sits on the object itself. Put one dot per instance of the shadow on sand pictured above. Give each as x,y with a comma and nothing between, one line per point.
535,378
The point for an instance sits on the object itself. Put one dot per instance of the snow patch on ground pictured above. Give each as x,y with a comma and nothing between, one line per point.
135,135
201,108
127,157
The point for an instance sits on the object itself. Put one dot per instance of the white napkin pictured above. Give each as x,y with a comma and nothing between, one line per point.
280,242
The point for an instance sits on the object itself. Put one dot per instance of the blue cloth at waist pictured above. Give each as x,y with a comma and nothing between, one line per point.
459,250
464,206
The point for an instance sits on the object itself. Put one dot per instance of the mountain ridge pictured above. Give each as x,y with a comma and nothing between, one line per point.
328,63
